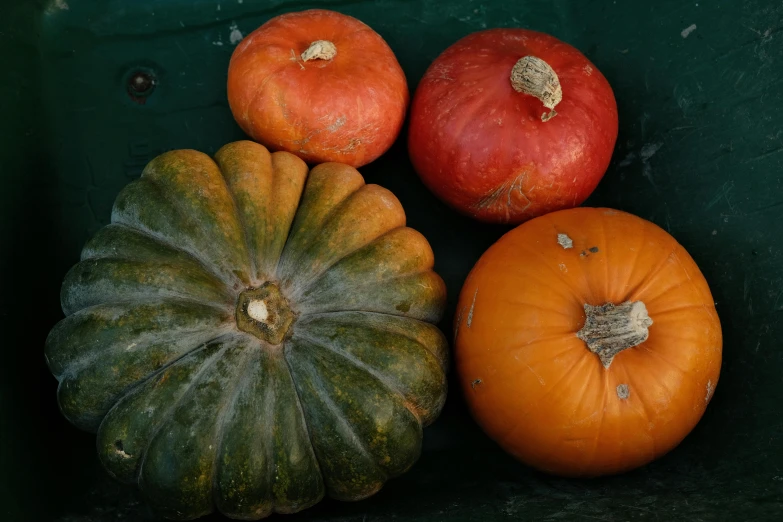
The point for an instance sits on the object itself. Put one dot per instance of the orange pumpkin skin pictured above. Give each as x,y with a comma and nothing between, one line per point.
348,108
536,388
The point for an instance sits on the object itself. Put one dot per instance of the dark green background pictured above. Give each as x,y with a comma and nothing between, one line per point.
699,152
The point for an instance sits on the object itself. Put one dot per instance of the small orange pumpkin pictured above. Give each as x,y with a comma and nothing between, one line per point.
587,342
319,84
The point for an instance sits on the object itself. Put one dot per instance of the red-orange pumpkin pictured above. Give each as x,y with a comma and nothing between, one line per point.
587,342
319,84
485,136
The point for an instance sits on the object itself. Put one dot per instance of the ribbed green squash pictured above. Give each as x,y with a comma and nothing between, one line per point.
248,336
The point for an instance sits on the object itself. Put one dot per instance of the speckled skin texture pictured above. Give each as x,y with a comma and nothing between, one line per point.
204,416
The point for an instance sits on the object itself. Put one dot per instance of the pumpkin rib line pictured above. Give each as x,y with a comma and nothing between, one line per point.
83,362
538,306
646,416
374,373
574,293
688,279
276,508
548,339
251,256
276,505
569,373
327,219
144,300
149,377
607,285
170,295
172,408
224,324
260,91
206,266
602,418
188,218
664,359
192,252
305,314
315,278
223,415
677,308
300,409
337,414
441,363
638,252
633,295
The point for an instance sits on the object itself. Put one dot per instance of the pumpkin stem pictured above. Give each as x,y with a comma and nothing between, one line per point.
533,76
609,329
320,50
265,313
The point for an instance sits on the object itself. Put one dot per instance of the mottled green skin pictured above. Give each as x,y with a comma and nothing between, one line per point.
203,415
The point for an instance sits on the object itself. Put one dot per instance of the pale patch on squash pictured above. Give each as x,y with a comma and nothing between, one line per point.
710,391
472,306
257,310
564,241
623,392
119,450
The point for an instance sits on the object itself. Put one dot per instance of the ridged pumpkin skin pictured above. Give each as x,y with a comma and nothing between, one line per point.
200,411
536,388
347,108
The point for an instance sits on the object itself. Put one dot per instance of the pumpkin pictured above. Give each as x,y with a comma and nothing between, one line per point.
245,332
509,124
319,84
587,342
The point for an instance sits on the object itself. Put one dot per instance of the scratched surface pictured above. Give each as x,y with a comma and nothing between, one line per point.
699,86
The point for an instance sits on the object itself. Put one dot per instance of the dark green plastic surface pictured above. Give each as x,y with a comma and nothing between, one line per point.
699,86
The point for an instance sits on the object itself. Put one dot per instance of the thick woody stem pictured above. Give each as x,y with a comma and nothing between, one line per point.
532,75
320,50
609,329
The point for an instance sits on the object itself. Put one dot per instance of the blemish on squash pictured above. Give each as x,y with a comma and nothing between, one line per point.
623,392
458,322
472,307
403,307
594,249
507,196
295,58
564,241
475,382
710,390
562,267
339,122
119,450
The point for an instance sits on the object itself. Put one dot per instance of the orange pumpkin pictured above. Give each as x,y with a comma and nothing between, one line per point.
319,84
587,342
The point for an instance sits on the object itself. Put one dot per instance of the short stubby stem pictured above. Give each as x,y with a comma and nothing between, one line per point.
264,312
609,329
532,75
320,50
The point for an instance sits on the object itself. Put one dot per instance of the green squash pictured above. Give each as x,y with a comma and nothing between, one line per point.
248,336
